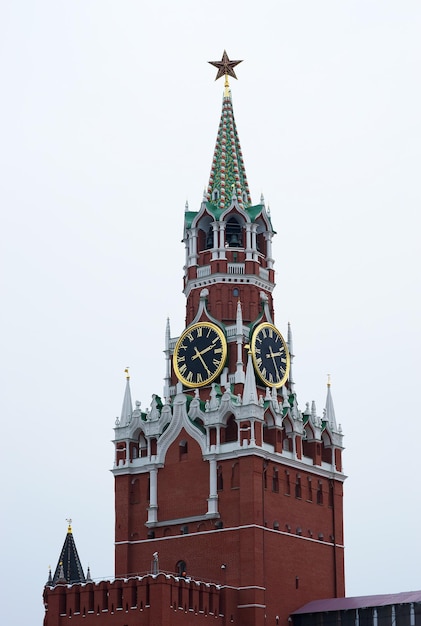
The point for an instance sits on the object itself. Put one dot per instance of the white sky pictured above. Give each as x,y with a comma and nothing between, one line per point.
108,118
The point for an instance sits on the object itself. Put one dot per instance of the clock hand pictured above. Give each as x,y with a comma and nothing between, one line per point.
199,356
272,354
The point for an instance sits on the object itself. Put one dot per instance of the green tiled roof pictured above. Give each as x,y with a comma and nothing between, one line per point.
228,174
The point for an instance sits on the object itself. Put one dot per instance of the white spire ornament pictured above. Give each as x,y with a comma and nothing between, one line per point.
127,408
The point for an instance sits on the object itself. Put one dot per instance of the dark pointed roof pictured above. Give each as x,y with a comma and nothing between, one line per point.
69,567
228,173
49,582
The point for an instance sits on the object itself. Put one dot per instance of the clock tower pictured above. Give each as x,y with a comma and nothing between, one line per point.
228,495
224,476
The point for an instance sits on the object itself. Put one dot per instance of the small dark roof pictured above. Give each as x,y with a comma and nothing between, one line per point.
359,602
69,566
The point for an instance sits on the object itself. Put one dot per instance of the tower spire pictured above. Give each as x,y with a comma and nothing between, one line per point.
127,408
250,389
330,409
228,175
291,356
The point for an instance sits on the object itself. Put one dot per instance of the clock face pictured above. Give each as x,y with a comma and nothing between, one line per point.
199,355
270,355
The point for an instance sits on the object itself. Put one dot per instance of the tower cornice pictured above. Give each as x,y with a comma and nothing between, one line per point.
234,279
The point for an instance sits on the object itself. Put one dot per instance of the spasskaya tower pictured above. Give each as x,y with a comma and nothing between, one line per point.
227,494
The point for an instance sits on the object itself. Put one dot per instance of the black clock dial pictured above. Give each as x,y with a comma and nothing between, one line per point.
270,355
200,354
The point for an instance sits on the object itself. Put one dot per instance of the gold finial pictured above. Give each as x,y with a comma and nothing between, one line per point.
69,527
126,371
328,380
248,348
226,87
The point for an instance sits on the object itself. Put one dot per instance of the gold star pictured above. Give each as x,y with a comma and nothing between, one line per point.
225,66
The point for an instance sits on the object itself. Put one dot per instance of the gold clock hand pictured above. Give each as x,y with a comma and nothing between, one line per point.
272,354
273,358
199,356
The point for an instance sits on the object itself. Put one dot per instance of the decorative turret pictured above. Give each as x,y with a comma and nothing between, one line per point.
329,409
49,582
127,407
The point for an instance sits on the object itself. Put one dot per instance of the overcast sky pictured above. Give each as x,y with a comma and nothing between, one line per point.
108,119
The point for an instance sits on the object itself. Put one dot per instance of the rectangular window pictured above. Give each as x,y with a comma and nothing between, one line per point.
287,484
275,480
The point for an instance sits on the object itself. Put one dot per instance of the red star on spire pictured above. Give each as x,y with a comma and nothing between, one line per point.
225,66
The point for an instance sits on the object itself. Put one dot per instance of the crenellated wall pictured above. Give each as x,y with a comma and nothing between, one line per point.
149,600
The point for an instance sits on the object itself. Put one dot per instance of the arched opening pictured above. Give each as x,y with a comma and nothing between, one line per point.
204,233
209,238
143,446
326,448
269,432
230,432
261,243
201,240
181,568
233,234
287,436
307,446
